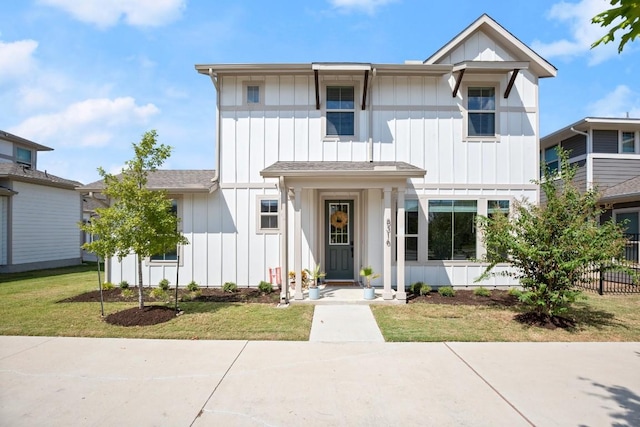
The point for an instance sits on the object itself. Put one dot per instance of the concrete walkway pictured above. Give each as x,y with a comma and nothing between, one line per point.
106,382
344,323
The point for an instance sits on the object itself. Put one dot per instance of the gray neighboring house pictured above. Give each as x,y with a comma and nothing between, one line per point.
39,212
607,153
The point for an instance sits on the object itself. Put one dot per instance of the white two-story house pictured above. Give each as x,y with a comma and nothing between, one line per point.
360,164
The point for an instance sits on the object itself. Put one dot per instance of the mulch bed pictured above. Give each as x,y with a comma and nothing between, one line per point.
467,297
149,315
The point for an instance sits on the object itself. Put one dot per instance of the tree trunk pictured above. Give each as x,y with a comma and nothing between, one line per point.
140,294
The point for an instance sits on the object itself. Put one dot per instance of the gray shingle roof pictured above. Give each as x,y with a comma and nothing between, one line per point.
171,180
628,188
341,168
19,173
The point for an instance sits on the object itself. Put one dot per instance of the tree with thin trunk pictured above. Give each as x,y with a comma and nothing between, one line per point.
553,247
139,220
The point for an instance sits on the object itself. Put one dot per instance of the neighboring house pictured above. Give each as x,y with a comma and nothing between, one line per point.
39,212
354,164
607,153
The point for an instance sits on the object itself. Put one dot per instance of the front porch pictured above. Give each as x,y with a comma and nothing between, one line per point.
344,295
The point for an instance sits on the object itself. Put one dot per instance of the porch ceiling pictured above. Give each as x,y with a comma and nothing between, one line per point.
343,169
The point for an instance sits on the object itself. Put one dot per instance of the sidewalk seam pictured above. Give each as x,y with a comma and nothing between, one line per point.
219,382
490,386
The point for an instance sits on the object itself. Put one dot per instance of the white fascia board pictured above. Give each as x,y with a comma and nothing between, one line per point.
490,66
340,66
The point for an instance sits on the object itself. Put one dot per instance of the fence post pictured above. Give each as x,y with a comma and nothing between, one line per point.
601,285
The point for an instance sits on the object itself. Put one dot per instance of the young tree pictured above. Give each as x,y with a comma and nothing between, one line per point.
551,247
628,12
139,220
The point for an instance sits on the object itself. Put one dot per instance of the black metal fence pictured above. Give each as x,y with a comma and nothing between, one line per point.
611,280
632,248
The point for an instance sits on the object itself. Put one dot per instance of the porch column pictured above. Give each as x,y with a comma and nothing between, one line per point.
387,294
284,240
401,295
297,241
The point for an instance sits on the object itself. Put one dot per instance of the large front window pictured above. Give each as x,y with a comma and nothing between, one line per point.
340,114
481,110
452,229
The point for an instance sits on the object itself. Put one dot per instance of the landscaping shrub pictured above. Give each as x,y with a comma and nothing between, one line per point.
515,292
482,292
415,288
265,287
192,286
163,284
229,287
107,285
446,291
126,293
159,293
425,289
124,285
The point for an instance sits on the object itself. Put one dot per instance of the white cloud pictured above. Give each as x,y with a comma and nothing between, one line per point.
87,123
137,13
16,59
618,103
368,6
577,18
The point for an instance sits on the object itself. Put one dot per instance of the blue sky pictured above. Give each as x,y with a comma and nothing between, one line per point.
89,77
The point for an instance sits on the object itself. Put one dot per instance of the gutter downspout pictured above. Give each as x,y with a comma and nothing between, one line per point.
589,158
216,173
370,142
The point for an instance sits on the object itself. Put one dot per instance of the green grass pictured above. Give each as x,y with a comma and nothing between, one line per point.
598,318
30,307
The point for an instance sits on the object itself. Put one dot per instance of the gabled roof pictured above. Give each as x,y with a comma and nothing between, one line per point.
22,141
538,65
18,172
179,181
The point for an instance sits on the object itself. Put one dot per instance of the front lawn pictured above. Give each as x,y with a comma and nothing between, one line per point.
30,306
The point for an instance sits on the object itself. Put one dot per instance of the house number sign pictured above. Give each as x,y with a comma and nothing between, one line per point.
388,232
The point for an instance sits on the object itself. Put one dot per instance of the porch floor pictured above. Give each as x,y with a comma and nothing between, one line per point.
343,295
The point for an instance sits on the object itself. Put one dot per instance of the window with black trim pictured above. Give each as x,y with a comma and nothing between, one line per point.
481,111
340,111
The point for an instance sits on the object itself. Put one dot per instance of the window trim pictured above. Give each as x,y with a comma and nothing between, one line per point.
636,144
31,164
465,110
544,163
180,252
356,109
476,230
245,93
259,214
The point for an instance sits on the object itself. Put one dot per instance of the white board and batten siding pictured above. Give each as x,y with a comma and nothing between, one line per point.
4,218
45,224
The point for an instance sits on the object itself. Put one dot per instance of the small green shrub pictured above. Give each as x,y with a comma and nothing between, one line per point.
265,287
107,286
446,291
159,293
515,292
229,287
415,288
192,286
163,284
124,285
425,289
126,293
482,292
191,295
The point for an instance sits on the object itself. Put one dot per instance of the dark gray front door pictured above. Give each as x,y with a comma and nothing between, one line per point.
339,239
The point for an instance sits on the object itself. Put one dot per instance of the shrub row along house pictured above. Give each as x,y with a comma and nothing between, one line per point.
607,154
358,164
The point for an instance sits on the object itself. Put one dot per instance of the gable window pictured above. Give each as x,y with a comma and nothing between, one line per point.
481,111
23,156
253,94
452,229
628,142
268,215
551,161
171,254
340,111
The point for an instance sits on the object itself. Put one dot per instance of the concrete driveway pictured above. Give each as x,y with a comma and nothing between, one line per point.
106,382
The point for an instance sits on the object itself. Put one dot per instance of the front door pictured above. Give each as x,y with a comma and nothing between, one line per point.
339,239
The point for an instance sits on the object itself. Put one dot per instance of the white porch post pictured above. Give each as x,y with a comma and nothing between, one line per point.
297,241
400,292
284,240
387,294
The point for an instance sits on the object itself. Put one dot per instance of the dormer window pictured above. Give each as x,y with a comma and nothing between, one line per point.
23,156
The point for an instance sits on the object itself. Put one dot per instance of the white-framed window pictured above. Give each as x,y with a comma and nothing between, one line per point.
24,156
253,93
452,229
482,117
550,160
340,111
411,229
268,214
495,206
171,254
628,142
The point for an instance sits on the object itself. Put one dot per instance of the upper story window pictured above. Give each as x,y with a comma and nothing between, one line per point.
627,142
268,215
253,93
481,111
550,160
340,111
23,156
